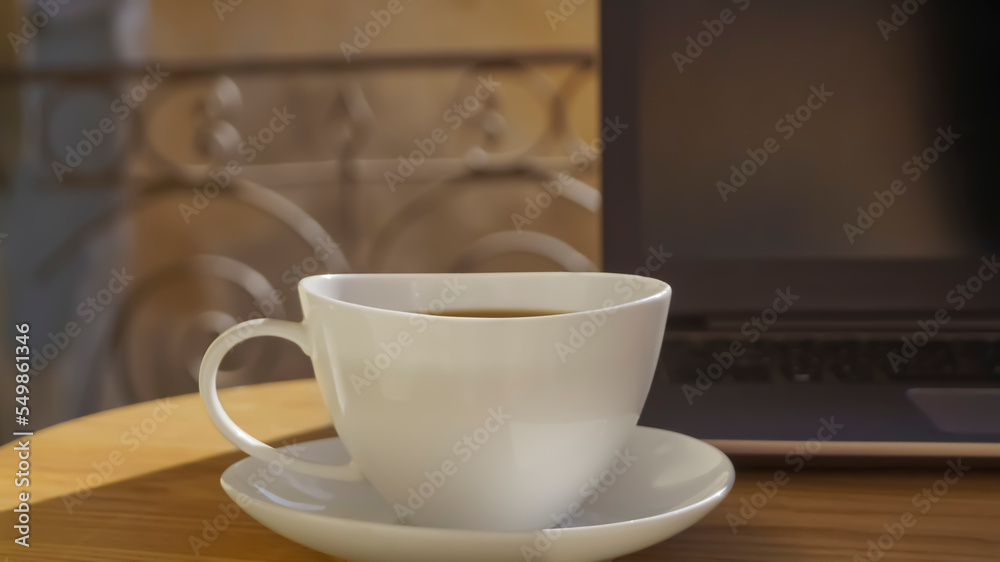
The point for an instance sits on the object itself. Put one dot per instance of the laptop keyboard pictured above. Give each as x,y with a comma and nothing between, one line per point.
831,361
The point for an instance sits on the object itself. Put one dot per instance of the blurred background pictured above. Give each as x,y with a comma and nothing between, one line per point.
170,168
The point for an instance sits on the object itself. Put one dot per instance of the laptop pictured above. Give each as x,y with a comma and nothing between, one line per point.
817,181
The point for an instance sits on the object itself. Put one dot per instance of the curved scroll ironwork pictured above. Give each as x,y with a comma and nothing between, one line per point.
573,190
554,95
353,124
142,386
528,242
240,190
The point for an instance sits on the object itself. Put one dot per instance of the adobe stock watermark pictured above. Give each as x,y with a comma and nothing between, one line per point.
787,126
752,329
30,25
577,336
86,311
958,297
566,10
365,33
131,439
454,116
323,249
265,307
221,177
122,107
697,43
463,449
590,492
914,168
898,17
212,529
922,502
796,460
582,158
392,350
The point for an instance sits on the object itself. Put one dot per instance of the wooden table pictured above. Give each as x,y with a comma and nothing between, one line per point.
135,483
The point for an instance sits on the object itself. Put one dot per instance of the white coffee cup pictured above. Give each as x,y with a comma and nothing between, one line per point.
474,423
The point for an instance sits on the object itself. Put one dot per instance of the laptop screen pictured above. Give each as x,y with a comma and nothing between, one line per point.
845,131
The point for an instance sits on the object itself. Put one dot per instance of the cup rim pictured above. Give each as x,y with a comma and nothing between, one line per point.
664,291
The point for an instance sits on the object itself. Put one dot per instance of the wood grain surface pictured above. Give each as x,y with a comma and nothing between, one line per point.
102,490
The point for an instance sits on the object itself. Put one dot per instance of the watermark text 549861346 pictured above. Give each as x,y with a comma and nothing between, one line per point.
22,446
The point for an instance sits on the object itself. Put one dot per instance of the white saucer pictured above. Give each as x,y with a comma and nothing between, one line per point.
675,481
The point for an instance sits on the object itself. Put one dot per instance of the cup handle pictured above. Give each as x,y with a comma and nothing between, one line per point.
243,331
